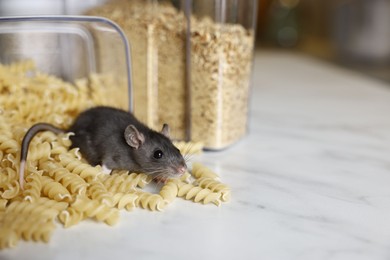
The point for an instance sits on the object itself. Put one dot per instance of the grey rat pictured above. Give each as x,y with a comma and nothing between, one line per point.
115,139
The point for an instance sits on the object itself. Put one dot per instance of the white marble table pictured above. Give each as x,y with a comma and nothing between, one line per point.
311,181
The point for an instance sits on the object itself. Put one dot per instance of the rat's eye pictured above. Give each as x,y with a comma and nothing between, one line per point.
158,154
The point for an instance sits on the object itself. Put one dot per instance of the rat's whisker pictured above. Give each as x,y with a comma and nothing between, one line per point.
188,157
156,171
188,148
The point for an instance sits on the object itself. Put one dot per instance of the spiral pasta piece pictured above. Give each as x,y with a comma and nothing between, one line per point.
8,238
57,149
73,100
92,208
215,186
198,194
199,171
31,227
70,217
18,133
64,139
29,221
125,200
119,183
10,161
7,175
44,207
72,182
8,144
3,205
97,191
75,153
86,171
45,136
34,111
169,191
40,151
5,127
33,188
54,190
186,177
7,163
11,190
150,201
37,232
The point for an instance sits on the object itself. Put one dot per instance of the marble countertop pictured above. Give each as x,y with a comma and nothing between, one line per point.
310,181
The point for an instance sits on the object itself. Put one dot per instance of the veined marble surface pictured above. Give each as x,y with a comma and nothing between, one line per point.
310,181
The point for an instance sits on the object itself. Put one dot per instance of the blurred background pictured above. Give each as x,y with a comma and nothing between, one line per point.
350,33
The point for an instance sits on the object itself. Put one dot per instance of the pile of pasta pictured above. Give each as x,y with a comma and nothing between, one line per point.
60,186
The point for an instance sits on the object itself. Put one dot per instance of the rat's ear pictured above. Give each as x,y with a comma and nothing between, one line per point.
165,130
134,138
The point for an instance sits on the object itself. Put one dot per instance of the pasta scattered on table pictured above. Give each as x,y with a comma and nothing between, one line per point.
60,186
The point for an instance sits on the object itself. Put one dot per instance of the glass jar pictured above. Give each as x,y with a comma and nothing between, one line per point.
72,48
192,63
222,42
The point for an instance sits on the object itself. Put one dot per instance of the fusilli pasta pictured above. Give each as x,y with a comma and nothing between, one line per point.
86,171
215,186
11,190
54,190
150,201
33,187
97,191
189,147
198,194
92,208
3,204
199,171
169,191
70,217
59,185
8,145
125,200
124,182
72,182
39,151
30,221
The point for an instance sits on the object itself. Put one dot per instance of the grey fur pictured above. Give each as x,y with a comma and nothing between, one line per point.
100,135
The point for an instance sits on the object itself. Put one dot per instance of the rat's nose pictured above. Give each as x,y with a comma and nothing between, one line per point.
182,169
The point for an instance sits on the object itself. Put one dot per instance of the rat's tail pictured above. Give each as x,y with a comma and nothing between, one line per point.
26,142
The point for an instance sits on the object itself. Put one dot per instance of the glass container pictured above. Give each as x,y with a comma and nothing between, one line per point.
72,48
192,64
